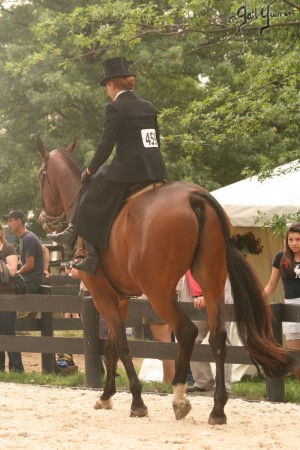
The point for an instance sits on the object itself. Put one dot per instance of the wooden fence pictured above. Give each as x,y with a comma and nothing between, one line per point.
59,299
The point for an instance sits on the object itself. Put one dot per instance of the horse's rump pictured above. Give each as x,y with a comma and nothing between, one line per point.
159,231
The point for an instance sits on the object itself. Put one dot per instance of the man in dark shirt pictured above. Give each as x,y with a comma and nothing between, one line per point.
31,253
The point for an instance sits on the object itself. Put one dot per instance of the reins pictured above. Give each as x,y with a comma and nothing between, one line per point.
51,223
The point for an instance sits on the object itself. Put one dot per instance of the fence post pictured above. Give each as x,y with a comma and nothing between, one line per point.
48,359
93,362
275,386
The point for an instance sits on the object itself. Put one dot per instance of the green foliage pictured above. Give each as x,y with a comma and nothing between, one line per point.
42,379
277,223
251,389
228,100
292,391
255,389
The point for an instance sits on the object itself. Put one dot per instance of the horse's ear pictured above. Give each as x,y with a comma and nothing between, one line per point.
42,149
71,146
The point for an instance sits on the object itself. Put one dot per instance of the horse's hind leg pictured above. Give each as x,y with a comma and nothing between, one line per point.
217,340
186,333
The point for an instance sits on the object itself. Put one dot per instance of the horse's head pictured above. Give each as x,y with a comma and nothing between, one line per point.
52,178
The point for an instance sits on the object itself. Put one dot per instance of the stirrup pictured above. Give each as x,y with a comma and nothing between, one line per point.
88,265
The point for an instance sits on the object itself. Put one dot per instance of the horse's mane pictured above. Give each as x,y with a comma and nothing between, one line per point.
71,158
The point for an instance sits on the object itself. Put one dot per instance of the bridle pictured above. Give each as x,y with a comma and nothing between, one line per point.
52,222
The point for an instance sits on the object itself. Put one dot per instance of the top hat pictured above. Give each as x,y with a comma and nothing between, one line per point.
115,67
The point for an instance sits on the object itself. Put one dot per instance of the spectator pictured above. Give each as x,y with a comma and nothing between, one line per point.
8,269
162,332
46,254
82,290
286,265
31,254
201,371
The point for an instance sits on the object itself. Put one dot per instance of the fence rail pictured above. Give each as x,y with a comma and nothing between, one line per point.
92,347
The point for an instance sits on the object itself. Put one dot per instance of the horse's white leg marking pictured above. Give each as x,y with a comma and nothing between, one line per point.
179,393
104,404
181,403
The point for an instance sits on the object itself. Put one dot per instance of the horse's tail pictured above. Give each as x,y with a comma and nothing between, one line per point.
252,311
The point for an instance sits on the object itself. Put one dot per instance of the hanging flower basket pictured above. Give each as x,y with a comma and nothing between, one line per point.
247,243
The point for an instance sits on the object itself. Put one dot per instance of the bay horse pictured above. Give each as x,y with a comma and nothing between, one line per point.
156,237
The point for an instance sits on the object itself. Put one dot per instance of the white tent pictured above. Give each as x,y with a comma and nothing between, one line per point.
279,194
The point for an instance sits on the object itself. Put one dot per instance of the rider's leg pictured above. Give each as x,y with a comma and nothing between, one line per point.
90,263
66,237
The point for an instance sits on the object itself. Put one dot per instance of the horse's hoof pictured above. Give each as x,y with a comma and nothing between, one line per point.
220,420
182,408
104,404
139,412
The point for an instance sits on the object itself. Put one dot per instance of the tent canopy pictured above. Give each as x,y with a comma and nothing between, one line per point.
277,195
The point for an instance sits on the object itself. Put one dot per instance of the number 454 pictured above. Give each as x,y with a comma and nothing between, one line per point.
149,138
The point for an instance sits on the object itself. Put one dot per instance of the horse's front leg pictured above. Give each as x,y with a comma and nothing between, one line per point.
217,340
111,357
138,408
116,316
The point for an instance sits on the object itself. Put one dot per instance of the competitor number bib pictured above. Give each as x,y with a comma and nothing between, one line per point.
149,138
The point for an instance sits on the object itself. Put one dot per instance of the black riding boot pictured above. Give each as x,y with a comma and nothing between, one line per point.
66,237
91,262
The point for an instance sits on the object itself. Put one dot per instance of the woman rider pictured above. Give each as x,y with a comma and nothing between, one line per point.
131,125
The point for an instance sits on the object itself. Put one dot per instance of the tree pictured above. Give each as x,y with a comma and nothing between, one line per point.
227,92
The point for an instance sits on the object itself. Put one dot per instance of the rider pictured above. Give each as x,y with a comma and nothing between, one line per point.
131,124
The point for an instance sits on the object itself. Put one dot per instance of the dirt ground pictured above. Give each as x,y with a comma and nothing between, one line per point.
35,417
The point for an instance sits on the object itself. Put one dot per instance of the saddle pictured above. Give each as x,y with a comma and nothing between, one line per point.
137,189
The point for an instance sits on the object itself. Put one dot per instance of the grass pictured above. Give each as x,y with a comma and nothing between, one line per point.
255,389
252,389
43,379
